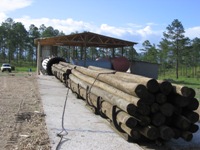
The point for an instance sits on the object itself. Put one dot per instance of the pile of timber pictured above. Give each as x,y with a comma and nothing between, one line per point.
137,107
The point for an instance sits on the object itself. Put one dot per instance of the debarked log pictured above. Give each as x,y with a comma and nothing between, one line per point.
151,84
165,87
128,107
150,132
95,68
193,104
124,121
181,122
135,134
184,91
166,133
108,77
114,91
67,65
191,115
105,107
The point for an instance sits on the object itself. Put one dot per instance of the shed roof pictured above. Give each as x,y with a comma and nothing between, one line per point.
87,39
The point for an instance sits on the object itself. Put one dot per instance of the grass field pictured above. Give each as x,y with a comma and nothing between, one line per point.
25,69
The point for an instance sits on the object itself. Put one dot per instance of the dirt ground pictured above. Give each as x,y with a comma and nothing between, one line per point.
22,121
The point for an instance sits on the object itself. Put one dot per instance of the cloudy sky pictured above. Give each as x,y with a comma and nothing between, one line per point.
133,20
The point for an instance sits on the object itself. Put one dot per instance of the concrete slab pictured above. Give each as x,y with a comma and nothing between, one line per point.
87,131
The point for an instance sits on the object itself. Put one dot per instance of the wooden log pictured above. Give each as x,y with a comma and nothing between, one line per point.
193,104
125,121
181,122
158,119
149,132
67,65
177,132
193,128
181,101
99,69
161,98
155,107
166,133
192,116
132,132
125,136
142,120
143,109
187,136
121,116
188,92
184,91
167,109
178,100
178,110
114,100
165,87
108,77
112,90
151,84
64,69
58,72
75,89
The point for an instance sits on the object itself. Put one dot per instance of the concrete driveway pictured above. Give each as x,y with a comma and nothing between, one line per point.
87,131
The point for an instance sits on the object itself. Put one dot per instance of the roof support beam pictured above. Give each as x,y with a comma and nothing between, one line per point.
38,58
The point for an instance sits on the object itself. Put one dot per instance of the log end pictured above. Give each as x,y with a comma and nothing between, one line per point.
166,133
153,86
188,92
166,87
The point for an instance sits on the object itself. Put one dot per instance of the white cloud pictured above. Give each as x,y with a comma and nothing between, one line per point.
2,17
133,25
111,30
151,24
193,32
11,5
66,25
145,31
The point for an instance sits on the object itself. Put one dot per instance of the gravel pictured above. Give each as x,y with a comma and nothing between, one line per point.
22,120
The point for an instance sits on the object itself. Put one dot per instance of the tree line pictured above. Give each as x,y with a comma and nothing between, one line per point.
174,51
17,44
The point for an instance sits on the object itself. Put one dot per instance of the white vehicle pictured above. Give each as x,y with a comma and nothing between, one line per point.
6,67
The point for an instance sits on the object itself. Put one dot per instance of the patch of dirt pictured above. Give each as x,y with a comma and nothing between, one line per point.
22,121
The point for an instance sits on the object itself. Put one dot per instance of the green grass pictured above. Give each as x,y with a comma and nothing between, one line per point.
24,69
186,81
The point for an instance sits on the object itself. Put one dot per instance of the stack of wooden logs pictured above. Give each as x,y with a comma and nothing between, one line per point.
137,107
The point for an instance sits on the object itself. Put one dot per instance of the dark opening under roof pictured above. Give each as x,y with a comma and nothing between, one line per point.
85,39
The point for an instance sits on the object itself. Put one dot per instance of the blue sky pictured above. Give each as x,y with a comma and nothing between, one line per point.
133,20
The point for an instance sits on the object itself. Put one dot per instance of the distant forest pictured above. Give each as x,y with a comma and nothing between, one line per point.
174,51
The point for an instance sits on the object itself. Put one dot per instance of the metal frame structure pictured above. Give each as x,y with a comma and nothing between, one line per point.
84,40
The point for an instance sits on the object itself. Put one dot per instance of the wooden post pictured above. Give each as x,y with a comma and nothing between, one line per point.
38,58
113,52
